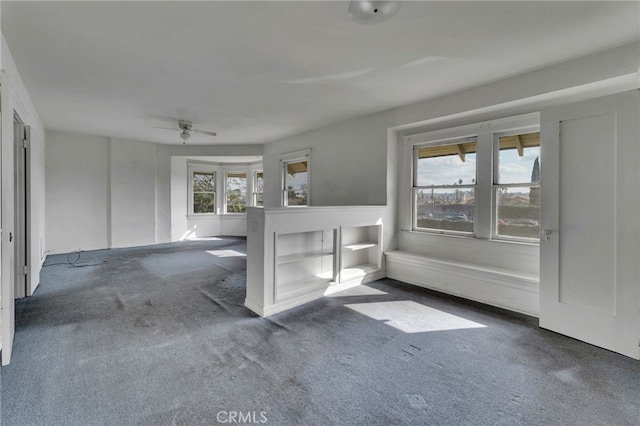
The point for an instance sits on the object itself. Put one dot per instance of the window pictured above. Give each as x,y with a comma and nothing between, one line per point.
480,180
258,188
204,192
517,185
295,178
296,183
444,189
222,188
236,192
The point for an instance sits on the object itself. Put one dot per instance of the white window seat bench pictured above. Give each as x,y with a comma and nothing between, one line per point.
510,289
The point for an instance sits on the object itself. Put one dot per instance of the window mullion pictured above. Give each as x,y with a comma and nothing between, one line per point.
484,194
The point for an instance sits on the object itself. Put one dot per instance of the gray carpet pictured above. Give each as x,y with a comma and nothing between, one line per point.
159,336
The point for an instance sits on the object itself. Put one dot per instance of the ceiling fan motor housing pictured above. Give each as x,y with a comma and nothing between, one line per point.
185,125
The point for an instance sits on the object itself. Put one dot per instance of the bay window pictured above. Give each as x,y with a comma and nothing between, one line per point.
222,189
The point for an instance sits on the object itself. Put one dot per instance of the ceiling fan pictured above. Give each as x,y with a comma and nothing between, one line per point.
186,128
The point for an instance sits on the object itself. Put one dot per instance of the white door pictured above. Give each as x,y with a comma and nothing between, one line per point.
7,284
590,221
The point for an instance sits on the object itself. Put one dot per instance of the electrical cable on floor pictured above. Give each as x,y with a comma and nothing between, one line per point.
76,263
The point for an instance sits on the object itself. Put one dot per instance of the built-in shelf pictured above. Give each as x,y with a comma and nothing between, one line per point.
305,262
295,288
359,246
360,255
297,255
358,271
304,255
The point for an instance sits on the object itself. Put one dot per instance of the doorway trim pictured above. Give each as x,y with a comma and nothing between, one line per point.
22,214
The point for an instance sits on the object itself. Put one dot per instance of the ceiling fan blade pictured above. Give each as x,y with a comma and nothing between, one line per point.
166,128
204,132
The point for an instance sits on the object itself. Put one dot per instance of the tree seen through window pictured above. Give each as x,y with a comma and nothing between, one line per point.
236,192
204,192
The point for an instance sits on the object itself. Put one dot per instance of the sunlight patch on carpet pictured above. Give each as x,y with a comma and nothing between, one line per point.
412,317
361,290
226,253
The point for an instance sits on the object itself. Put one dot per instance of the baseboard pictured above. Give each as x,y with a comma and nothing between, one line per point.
265,311
253,306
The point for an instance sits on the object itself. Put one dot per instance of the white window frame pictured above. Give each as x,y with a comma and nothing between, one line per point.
194,167
254,185
416,188
246,173
496,186
294,157
485,224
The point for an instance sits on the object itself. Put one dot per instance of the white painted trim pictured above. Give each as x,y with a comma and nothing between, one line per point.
513,256
302,155
202,167
441,136
254,181
495,144
284,210
296,155
485,135
247,172
253,306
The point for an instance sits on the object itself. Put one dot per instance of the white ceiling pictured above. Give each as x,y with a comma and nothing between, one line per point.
255,72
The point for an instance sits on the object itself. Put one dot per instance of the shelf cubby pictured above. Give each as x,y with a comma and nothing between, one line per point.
304,262
360,251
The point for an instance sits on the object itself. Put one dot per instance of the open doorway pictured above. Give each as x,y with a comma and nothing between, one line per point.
22,208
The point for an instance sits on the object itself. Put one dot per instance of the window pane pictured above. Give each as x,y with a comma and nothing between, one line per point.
518,211
296,198
204,182
204,202
258,188
451,164
296,183
519,159
259,185
236,192
446,209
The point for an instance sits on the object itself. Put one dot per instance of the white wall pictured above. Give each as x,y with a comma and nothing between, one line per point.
101,192
348,163
105,192
180,228
355,161
77,181
351,165
349,159
132,193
